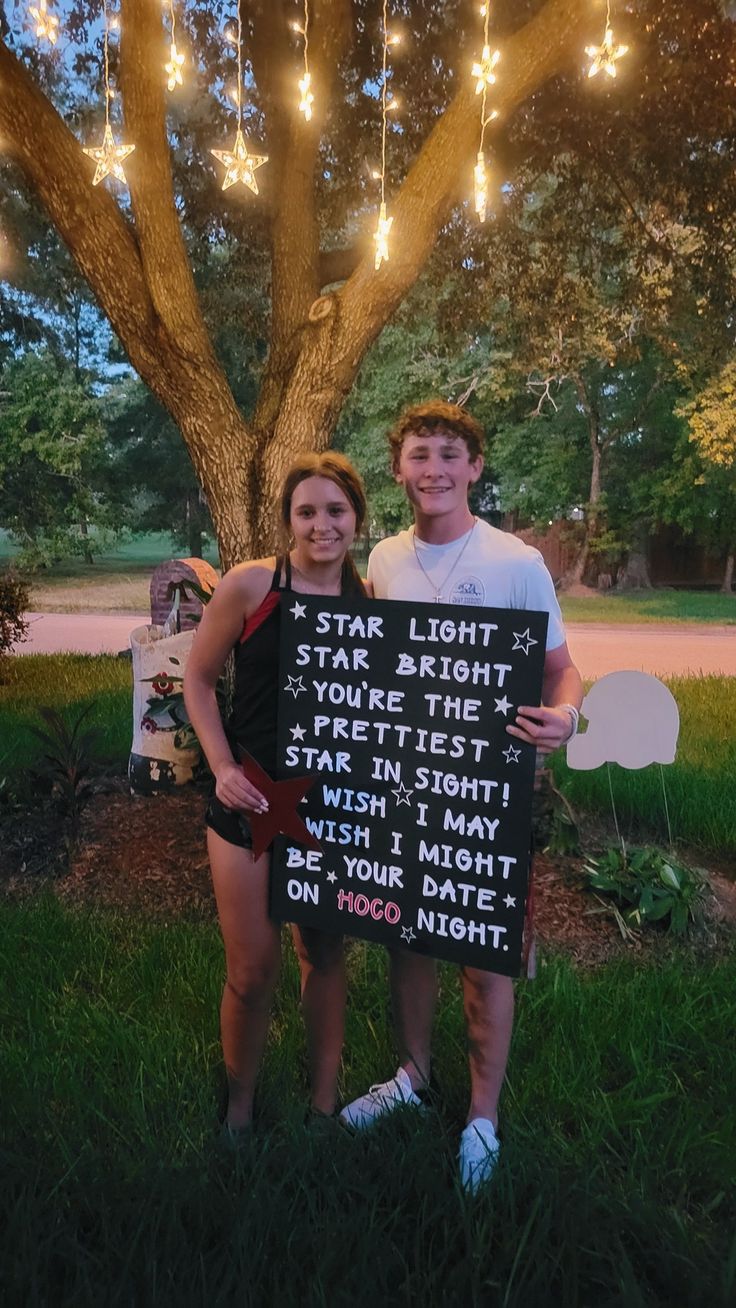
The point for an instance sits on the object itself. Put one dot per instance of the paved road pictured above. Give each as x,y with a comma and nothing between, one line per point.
597,649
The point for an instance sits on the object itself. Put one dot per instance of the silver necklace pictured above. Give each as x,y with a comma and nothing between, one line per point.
439,589
313,584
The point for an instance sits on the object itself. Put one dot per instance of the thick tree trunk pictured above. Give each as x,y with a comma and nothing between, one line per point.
727,586
139,270
635,574
575,575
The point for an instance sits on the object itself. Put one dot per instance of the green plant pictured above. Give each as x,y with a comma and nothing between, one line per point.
66,764
14,600
647,886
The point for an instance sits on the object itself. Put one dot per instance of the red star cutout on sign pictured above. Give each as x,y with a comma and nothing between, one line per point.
282,798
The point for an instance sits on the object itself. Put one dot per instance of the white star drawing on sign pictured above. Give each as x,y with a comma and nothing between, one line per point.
332,876
509,901
298,610
407,934
502,705
512,755
523,641
402,795
295,686
297,732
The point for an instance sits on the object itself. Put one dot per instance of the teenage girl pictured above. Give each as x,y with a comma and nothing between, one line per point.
322,506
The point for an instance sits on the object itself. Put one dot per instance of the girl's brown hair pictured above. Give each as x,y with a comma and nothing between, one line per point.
339,470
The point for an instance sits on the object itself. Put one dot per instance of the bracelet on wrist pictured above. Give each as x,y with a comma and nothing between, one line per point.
574,720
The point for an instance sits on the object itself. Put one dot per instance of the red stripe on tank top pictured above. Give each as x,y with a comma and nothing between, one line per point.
255,620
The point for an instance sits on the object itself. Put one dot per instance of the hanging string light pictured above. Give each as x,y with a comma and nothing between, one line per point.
176,61
305,83
240,165
108,156
605,55
47,25
384,224
485,77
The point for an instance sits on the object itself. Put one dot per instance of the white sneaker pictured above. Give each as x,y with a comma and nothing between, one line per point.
380,1100
478,1155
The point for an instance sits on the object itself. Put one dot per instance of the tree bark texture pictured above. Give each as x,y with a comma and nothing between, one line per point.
139,272
727,587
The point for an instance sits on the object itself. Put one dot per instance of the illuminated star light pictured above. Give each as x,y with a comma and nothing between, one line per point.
298,610
47,25
480,176
174,67
108,157
307,100
380,236
295,686
604,56
239,164
484,70
402,795
408,934
523,641
511,754
502,706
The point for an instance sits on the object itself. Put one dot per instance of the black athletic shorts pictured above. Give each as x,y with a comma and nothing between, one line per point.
233,827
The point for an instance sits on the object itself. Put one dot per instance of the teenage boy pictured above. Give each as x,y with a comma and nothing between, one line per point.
450,556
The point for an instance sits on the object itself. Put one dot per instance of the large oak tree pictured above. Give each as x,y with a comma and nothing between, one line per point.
327,303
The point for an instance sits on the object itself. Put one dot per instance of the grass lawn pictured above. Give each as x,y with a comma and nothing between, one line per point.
115,583
615,1185
698,789
118,583
652,606
65,681
700,785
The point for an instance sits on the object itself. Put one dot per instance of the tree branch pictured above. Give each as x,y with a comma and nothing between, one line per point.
166,266
86,217
294,149
332,352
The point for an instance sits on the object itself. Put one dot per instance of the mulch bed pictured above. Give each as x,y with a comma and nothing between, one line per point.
149,855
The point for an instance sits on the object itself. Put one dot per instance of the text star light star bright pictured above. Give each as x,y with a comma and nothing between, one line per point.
174,67
240,166
108,157
604,56
483,71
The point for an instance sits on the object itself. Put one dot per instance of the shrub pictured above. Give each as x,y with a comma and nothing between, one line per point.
646,886
14,600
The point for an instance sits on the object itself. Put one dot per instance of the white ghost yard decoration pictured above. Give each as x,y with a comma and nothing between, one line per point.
633,720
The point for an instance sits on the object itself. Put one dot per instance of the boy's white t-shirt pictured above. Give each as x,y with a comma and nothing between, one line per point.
496,570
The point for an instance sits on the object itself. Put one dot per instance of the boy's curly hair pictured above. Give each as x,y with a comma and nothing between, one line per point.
435,416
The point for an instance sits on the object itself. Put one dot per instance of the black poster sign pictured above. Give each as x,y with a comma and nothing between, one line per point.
422,802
